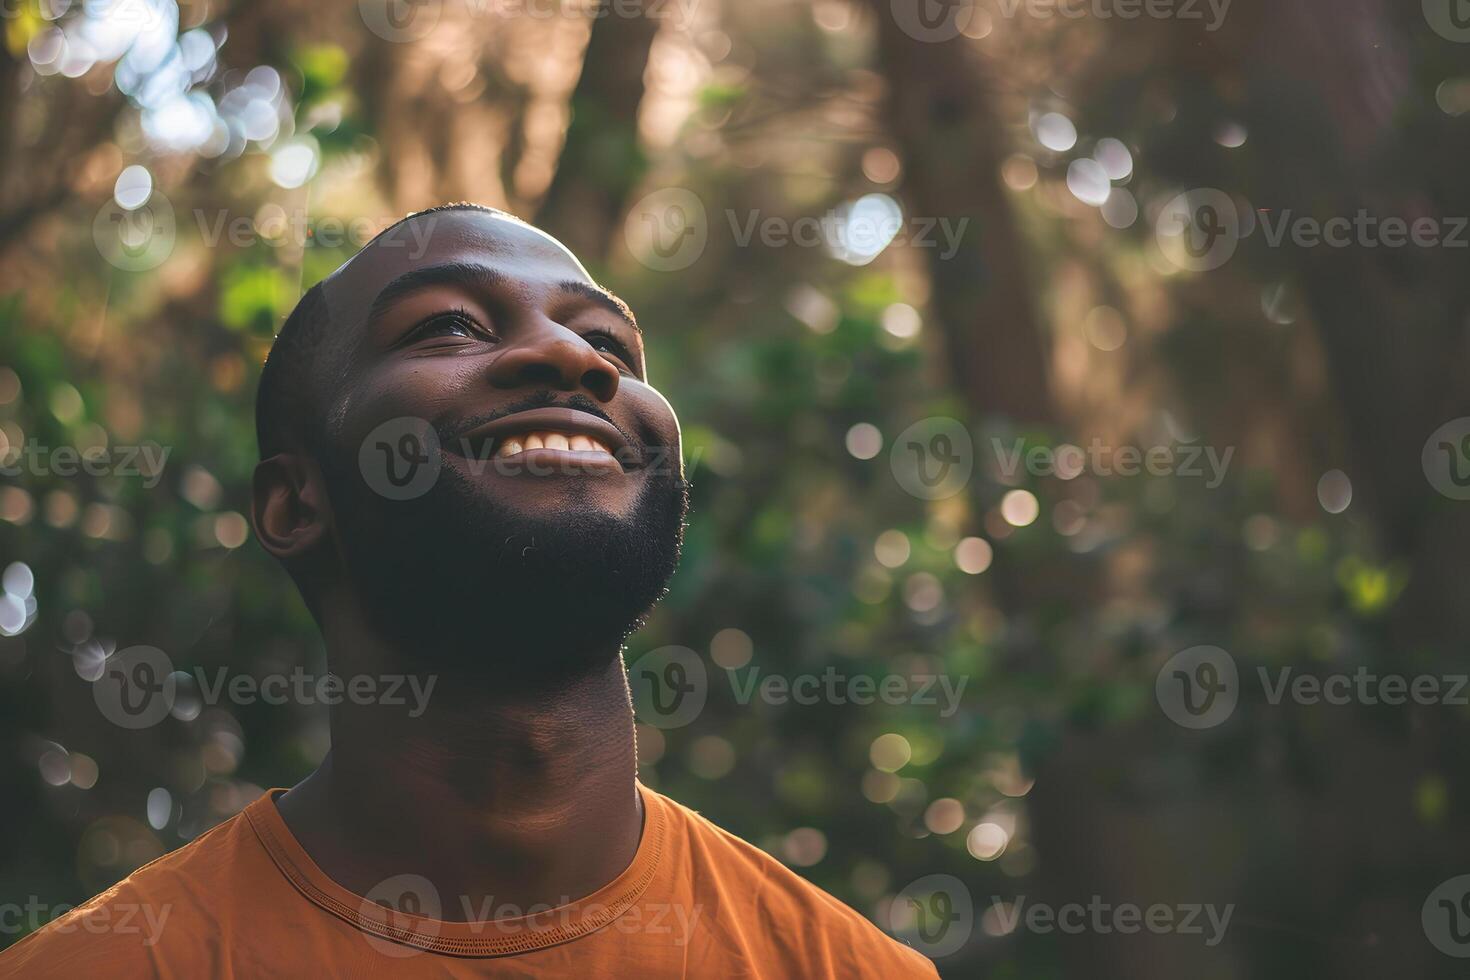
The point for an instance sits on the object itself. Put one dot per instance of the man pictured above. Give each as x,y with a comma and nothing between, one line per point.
469,477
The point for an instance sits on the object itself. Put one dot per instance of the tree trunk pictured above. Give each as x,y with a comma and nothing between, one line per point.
601,161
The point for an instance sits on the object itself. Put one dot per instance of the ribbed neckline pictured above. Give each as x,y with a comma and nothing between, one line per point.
498,937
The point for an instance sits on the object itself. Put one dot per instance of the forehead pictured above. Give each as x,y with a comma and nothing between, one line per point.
515,250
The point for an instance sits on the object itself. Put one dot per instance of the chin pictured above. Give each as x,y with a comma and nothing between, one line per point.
532,586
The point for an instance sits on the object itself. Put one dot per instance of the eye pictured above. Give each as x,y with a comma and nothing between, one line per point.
605,343
455,323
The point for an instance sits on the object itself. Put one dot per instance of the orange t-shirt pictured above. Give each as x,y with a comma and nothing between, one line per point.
245,900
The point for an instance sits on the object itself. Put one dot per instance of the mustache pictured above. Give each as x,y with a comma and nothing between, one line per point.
451,430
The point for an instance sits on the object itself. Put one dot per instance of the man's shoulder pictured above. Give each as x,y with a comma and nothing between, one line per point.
741,873
123,931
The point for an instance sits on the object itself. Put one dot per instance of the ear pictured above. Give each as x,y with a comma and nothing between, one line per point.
288,505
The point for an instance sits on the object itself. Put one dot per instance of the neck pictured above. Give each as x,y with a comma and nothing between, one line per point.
497,799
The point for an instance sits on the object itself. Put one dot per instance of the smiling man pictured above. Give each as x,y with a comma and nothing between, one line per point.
471,480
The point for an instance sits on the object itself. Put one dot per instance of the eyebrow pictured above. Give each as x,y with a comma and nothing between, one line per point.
443,274
604,298
482,276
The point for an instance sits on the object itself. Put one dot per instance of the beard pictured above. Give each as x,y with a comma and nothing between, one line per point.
463,583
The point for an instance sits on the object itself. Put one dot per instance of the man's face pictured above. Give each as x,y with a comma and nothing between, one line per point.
548,514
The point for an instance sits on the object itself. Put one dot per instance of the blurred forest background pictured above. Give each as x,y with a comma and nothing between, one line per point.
1058,318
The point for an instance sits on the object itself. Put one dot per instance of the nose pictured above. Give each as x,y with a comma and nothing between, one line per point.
555,357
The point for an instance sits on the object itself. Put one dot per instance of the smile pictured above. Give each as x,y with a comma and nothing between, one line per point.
548,439
554,434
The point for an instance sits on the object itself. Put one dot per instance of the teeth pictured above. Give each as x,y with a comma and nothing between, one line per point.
514,445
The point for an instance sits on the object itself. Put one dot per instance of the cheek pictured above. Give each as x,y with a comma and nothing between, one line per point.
658,425
655,414
425,390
